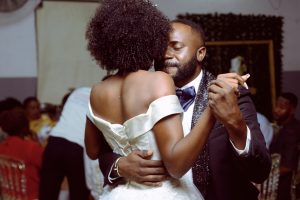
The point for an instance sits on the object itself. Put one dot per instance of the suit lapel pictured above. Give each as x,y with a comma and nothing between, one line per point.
201,172
202,96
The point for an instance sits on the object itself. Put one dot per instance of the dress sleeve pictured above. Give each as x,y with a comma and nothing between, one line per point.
158,109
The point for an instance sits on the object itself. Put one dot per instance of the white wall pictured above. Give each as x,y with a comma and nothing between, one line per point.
64,61
18,55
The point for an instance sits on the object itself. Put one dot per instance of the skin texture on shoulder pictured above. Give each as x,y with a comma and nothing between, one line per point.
107,93
130,94
146,86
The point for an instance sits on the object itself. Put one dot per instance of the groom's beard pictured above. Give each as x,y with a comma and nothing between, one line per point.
182,72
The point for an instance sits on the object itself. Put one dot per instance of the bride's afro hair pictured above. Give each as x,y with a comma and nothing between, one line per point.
127,35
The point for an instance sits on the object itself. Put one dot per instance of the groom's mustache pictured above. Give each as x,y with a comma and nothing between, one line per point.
162,65
171,64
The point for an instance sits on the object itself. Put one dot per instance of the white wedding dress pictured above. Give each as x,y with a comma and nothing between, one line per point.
136,133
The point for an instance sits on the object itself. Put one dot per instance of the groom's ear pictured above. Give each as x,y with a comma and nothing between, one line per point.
201,52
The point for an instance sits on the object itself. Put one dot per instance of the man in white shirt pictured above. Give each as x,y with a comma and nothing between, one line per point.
64,154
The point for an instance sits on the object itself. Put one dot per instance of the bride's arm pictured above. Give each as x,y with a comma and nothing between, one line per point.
179,153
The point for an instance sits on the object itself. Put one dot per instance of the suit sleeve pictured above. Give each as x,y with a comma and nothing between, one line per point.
106,159
257,163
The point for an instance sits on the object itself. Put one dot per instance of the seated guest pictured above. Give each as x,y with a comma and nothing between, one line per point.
285,141
9,103
15,124
40,124
51,110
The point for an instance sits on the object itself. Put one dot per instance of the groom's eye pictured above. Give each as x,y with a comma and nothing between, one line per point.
177,46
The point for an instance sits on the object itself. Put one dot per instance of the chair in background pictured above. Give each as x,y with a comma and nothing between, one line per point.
12,179
268,189
295,193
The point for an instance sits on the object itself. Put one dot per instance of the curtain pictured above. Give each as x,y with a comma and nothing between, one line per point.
63,59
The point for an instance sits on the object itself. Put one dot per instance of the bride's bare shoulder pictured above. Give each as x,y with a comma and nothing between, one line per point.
105,89
162,84
156,77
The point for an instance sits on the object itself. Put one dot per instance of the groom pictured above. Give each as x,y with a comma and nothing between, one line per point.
235,154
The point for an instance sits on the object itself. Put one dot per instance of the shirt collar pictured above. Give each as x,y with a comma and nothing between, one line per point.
194,82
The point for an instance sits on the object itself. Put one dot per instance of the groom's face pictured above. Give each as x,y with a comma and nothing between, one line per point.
181,60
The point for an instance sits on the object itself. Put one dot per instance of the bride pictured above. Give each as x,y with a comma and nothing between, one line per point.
136,108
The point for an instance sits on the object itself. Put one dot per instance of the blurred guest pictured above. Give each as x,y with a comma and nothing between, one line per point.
16,125
51,110
64,151
39,123
9,103
285,141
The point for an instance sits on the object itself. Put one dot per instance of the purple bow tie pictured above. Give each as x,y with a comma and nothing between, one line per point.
186,97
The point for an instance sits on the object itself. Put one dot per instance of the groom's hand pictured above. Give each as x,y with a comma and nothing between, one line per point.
138,167
223,102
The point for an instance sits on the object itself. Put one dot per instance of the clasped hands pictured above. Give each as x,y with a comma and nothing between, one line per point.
223,96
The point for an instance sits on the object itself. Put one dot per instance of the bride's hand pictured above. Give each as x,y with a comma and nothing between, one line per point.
233,80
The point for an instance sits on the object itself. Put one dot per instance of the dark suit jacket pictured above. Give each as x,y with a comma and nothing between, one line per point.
231,175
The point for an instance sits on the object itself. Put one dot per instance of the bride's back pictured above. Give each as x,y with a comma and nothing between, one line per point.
120,98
